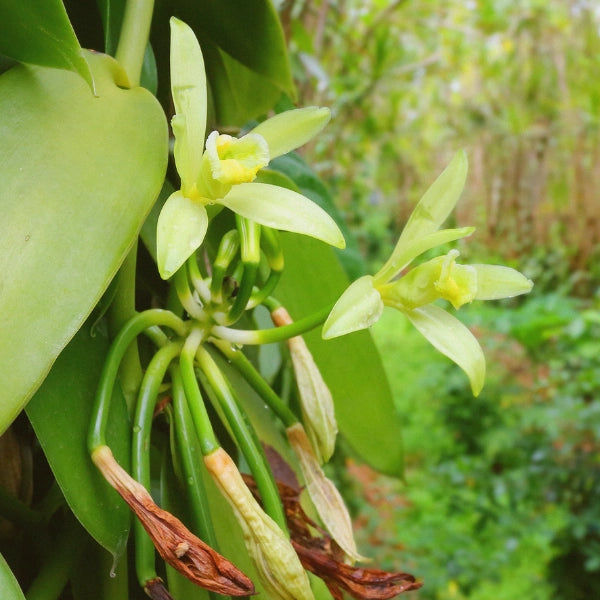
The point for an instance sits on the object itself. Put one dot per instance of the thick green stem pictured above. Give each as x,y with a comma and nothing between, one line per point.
206,435
140,459
191,460
276,334
61,559
245,437
121,310
257,382
133,40
135,326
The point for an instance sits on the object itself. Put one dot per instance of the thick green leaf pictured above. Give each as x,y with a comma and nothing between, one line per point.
239,93
236,27
79,175
8,584
60,413
112,12
40,33
350,365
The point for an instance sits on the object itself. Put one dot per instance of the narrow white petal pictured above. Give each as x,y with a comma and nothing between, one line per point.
404,254
359,307
497,281
280,208
181,228
188,88
448,335
291,129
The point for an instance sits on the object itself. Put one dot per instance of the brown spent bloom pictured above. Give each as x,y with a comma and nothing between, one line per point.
175,543
278,565
323,557
155,589
316,402
323,493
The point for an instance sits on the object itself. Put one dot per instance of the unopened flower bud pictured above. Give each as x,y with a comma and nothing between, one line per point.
324,495
175,543
316,402
277,563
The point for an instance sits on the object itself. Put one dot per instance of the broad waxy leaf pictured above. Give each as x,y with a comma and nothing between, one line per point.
40,33
60,413
350,365
235,27
79,175
8,583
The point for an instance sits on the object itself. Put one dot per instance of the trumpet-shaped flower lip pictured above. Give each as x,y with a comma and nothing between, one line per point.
234,160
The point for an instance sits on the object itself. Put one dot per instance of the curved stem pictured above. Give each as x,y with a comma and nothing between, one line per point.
276,334
257,382
133,40
206,435
245,437
140,453
135,326
191,460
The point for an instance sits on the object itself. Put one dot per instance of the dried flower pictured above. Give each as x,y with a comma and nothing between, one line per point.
324,494
321,556
175,543
278,564
316,403
155,589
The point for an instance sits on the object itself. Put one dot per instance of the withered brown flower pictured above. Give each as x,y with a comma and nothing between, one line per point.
320,555
175,543
155,589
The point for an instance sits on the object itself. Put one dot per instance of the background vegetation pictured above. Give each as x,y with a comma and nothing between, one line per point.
502,491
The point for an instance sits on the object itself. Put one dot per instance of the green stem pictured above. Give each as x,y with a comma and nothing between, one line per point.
206,435
191,459
140,459
121,310
257,382
275,334
18,512
135,326
182,286
245,437
133,40
61,559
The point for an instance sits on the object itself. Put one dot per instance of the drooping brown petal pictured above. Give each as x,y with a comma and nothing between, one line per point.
320,555
155,589
175,543
360,583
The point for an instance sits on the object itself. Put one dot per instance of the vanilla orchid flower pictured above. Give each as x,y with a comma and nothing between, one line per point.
413,293
224,172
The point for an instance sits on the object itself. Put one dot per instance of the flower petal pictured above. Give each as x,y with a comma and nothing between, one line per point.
359,307
181,228
404,254
431,211
439,200
293,128
188,87
448,335
497,281
280,208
